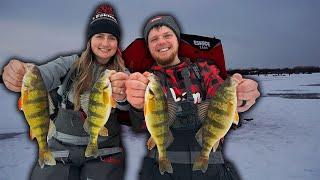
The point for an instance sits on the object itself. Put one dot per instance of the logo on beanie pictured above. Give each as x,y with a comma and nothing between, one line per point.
155,19
104,12
97,16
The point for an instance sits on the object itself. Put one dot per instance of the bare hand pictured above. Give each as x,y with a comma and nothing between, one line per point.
13,74
135,88
247,90
118,80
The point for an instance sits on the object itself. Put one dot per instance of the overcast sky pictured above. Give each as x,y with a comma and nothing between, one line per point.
254,33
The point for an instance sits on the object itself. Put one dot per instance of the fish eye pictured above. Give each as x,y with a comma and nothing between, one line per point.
151,92
26,84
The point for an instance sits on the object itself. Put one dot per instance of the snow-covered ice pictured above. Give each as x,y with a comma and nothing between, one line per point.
279,143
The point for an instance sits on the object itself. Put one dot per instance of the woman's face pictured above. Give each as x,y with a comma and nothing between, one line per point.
104,46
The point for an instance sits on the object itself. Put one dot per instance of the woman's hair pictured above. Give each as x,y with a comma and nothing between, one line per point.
83,66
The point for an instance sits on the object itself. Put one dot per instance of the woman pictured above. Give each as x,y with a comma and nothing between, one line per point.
79,72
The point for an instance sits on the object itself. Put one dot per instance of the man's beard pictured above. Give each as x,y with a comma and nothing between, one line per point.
165,61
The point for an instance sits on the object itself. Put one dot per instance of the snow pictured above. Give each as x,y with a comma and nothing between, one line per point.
18,155
279,143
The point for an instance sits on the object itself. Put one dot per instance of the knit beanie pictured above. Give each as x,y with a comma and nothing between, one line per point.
161,21
104,21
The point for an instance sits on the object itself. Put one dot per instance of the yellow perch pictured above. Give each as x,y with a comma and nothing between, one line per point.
156,116
220,116
99,109
35,106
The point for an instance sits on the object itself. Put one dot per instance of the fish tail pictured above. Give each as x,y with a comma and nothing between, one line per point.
165,165
201,163
46,157
41,159
92,150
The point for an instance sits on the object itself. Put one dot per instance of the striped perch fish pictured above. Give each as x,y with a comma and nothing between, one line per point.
220,116
156,117
99,109
35,105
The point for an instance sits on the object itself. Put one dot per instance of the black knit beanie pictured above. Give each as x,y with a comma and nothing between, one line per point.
161,21
103,21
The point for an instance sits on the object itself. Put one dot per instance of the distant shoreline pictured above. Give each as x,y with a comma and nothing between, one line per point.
278,71
9,135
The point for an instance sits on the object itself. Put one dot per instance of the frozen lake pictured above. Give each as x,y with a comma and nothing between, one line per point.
280,142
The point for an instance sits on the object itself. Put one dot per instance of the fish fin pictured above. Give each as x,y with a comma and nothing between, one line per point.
31,135
107,98
86,126
104,132
92,150
172,106
150,143
165,166
113,103
22,99
203,110
215,146
84,101
169,139
51,105
20,103
199,136
52,129
236,118
200,163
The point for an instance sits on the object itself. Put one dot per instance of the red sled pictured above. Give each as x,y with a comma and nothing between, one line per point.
138,59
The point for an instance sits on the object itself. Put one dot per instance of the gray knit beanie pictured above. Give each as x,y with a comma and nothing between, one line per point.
161,21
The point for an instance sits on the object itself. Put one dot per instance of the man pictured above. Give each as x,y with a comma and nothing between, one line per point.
162,36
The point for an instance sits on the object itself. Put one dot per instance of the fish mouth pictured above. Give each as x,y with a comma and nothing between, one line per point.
230,81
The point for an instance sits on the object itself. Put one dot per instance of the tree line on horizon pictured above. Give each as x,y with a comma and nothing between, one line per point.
278,71
265,71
